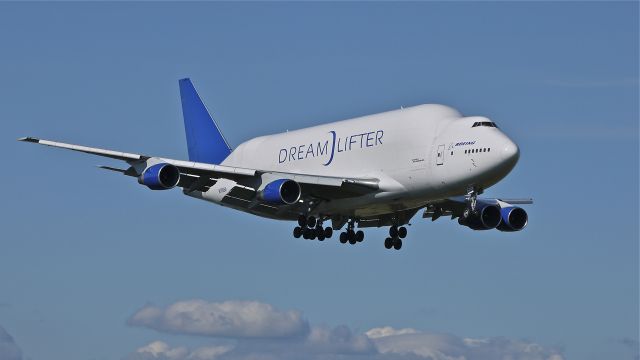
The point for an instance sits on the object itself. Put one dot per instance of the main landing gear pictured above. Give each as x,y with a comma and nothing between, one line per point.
350,235
396,234
309,228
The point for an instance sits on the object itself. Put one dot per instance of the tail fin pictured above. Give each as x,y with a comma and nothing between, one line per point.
204,139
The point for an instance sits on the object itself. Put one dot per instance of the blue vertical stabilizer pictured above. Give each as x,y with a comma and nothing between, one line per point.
204,139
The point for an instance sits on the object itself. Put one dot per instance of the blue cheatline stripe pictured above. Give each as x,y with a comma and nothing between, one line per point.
204,140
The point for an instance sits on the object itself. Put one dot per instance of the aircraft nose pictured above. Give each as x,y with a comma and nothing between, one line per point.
510,152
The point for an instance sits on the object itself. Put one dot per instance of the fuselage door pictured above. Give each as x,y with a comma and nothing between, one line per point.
440,157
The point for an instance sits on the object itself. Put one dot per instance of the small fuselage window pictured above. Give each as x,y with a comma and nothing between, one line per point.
475,151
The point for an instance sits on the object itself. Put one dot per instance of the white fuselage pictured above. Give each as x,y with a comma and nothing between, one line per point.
419,154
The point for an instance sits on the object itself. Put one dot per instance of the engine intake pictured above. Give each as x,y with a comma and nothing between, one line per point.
281,191
488,217
161,176
513,219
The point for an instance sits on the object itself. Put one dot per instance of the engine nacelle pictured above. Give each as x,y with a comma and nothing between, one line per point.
513,219
281,191
161,176
488,217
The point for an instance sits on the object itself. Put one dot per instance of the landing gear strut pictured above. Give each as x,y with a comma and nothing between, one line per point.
351,235
311,228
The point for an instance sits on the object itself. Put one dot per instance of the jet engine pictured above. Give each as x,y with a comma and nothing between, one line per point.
513,219
487,217
281,191
161,176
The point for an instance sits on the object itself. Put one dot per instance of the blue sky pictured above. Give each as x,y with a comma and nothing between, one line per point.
84,252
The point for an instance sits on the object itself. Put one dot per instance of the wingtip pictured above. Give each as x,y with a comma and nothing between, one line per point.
29,139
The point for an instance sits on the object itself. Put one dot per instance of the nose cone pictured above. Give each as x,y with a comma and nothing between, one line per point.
510,153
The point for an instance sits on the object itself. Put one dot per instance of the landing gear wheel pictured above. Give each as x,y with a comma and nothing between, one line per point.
397,244
359,236
393,231
302,221
352,241
321,237
311,221
297,232
328,232
343,237
402,232
307,233
388,243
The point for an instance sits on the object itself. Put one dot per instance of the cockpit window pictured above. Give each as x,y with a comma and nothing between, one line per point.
485,123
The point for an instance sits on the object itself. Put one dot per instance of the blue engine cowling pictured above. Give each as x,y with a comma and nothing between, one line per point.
513,219
488,217
161,176
281,191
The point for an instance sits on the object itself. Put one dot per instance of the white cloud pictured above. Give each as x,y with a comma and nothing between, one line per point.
159,350
339,340
388,331
262,332
235,319
9,350
437,346
341,343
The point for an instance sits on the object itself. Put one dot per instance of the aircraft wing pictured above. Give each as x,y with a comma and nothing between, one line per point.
196,176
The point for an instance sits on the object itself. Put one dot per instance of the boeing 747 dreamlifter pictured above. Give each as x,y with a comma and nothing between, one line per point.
372,171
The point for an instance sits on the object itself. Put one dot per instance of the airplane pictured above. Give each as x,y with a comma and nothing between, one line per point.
372,171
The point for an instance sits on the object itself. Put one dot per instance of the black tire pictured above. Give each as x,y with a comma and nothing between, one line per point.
302,221
307,233
311,222
393,231
388,243
328,232
352,241
297,232
321,237
351,235
397,244
402,232
343,237
359,236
